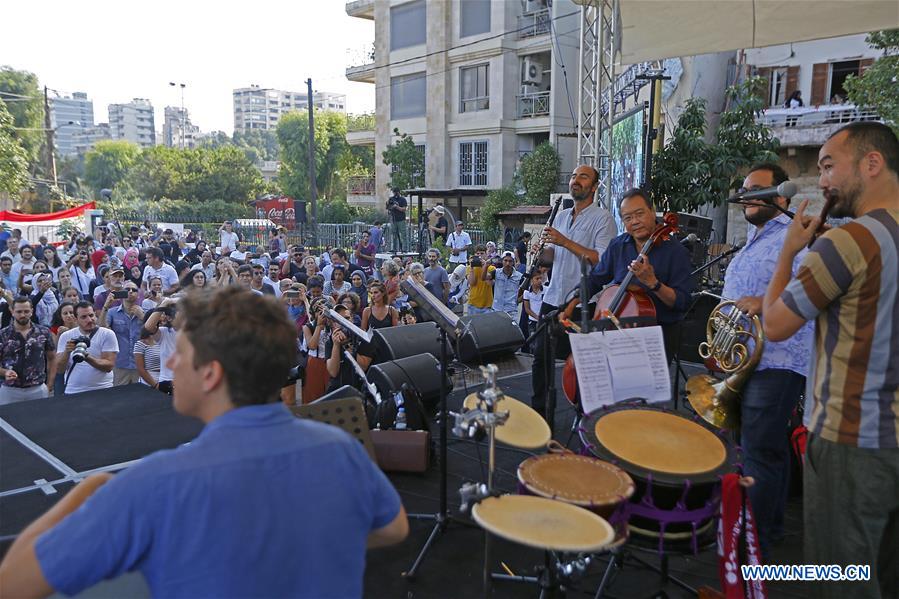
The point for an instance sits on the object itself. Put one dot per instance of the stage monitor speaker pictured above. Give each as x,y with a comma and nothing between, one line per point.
701,226
421,373
489,336
395,343
693,329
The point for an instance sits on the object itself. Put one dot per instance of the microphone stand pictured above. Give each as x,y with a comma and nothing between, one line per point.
716,259
771,204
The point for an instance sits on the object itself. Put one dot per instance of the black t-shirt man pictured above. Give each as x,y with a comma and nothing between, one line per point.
396,201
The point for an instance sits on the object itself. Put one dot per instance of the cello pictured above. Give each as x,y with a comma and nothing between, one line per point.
620,301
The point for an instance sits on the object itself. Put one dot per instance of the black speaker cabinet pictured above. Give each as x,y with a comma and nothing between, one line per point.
693,331
421,373
489,336
394,343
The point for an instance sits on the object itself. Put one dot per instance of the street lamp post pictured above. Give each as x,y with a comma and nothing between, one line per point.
182,85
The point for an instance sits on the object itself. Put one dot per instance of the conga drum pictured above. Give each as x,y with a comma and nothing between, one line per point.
676,464
543,523
592,484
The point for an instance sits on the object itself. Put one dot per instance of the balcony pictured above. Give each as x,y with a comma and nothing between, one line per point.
532,105
796,127
364,9
534,24
360,186
362,64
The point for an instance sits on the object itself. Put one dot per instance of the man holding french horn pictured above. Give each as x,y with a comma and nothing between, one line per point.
773,390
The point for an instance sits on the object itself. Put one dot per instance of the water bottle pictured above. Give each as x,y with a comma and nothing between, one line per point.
400,419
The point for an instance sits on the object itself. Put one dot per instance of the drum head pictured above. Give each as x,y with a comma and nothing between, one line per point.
660,441
576,479
524,428
543,523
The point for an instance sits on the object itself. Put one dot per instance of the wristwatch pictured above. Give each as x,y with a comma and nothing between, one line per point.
656,287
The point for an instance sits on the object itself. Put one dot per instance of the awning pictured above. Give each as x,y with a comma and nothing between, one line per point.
657,29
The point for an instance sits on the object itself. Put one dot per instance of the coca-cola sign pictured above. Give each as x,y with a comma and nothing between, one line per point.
278,210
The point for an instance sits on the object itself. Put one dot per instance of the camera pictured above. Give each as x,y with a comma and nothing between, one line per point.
79,354
120,294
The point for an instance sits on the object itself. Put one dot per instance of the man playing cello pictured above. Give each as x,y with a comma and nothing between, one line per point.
663,274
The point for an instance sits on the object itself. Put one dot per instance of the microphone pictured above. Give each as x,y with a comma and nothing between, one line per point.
786,189
689,239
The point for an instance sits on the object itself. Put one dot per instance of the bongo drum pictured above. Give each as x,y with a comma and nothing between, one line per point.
579,480
543,523
524,428
676,465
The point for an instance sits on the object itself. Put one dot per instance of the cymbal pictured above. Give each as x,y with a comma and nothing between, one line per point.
543,523
525,428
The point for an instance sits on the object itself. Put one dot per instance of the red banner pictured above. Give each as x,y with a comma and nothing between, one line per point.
278,210
17,217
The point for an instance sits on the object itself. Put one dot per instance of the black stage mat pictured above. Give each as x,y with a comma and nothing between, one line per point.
17,511
20,467
100,428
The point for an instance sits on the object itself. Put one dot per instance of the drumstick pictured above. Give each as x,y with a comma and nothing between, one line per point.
829,200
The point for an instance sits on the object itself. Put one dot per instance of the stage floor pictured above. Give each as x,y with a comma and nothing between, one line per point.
453,567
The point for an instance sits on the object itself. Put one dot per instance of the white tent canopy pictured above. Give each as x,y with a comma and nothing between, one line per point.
657,29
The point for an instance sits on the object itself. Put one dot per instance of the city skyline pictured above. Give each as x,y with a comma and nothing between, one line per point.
213,59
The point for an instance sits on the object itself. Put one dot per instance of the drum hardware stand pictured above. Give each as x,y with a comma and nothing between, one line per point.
554,576
471,424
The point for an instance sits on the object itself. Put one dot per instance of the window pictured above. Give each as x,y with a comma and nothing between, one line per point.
473,163
777,88
407,96
473,89
475,17
407,25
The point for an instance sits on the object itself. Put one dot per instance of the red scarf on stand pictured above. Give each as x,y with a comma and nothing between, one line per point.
729,542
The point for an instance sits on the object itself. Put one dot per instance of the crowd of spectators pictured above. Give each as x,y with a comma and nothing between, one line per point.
119,291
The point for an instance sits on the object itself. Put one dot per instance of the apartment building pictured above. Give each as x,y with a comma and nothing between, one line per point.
134,122
260,108
476,83
818,70
69,115
177,130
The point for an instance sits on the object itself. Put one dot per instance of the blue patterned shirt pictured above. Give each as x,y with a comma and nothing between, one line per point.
749,273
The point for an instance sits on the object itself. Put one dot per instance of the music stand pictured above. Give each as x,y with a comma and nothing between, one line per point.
449,324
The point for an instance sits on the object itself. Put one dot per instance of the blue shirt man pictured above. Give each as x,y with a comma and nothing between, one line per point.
203,520
505,287
126,325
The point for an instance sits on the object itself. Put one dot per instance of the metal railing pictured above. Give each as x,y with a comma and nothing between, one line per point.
816,116
360,122
360,186
360,56
534,24
531,105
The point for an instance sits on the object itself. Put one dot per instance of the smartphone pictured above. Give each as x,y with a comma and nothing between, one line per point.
292,294
120,294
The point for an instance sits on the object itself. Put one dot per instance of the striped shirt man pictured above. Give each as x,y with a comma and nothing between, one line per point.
848,283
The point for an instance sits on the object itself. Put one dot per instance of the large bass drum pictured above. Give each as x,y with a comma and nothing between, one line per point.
676,464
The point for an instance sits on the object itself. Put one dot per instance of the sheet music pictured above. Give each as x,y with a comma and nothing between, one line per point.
593,377
616,365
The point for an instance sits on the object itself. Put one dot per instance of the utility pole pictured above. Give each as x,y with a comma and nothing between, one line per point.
313,191
51,158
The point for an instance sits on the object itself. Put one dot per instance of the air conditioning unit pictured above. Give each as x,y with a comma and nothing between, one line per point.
533,71
532,6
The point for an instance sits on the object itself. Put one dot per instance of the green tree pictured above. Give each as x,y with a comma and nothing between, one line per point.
876,88
13,157
407,161
496,201
26,108
259,145
539,172
690,172
293,139
108,163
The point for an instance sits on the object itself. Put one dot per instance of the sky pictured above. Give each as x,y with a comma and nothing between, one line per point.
116,51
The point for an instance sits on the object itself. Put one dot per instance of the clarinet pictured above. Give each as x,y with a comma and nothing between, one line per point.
537,251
